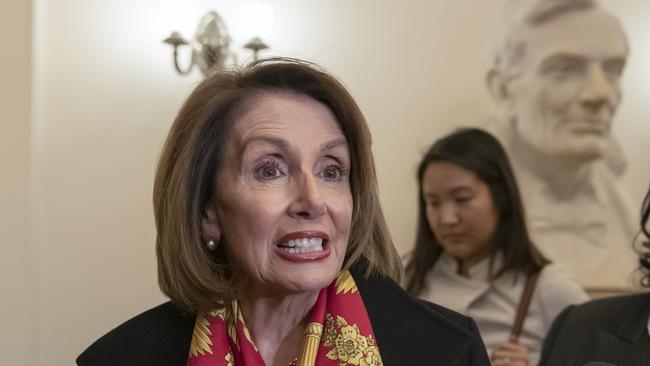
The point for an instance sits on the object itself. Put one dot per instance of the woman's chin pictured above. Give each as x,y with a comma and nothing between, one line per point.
309,281
308,275
305,280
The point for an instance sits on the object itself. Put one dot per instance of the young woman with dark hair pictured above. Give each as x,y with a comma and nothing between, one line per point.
473,252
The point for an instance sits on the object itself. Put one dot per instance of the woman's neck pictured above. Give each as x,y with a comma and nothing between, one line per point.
464,265
277,323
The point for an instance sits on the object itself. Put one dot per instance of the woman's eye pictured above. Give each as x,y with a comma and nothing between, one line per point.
433,204
269,170
334,173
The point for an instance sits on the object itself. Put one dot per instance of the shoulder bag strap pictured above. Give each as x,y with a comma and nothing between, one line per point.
524,302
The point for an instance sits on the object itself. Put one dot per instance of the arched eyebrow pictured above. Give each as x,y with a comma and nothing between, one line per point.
281,143
333,144
278,142
246,143
284,145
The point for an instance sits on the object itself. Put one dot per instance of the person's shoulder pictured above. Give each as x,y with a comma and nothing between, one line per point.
558,283
161,333
576,333
554,271
448,316
594,315
609,309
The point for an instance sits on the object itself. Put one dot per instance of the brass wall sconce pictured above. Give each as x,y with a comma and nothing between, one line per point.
210,45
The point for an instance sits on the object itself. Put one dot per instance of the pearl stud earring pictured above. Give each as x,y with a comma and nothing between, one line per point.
211,245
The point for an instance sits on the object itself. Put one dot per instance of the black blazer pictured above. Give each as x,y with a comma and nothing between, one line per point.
610,330
408,332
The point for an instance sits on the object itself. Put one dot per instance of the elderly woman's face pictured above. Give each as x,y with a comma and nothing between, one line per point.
283,202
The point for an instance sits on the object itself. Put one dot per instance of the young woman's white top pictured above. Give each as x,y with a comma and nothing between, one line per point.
493,305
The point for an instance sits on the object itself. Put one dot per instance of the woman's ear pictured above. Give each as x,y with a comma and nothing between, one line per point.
210,228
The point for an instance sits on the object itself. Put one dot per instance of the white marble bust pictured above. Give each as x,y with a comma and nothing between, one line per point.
555,79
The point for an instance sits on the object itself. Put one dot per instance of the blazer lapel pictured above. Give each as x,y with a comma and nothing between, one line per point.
614,349
628,343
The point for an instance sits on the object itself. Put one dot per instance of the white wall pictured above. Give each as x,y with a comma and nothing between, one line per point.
105,98
17,277
632,123
105,94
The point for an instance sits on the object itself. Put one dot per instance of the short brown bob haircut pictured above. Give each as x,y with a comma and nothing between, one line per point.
197,280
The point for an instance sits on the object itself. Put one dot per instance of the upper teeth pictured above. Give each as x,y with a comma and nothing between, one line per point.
304,242
303,245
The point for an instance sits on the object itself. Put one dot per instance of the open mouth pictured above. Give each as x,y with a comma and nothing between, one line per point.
303,245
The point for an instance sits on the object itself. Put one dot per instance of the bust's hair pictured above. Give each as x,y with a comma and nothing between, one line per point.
644,259
483,155
198,280
511,45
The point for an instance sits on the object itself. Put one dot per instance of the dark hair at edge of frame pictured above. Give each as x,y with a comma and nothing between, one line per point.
482,154
644,258
197,280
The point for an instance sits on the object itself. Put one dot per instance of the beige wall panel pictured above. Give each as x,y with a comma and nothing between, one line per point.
17,266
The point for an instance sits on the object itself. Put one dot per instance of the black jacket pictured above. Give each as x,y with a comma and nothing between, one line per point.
612,330
408,332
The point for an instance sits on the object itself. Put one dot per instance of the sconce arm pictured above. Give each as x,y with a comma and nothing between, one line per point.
178,68
175,40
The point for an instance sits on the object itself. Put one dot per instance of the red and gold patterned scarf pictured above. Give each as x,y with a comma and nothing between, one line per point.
339,333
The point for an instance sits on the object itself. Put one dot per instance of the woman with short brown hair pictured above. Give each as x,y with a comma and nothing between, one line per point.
192,156
271,242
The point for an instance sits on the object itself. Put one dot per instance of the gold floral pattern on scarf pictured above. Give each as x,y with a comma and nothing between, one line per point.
201,342
347,345
230,359
345,283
